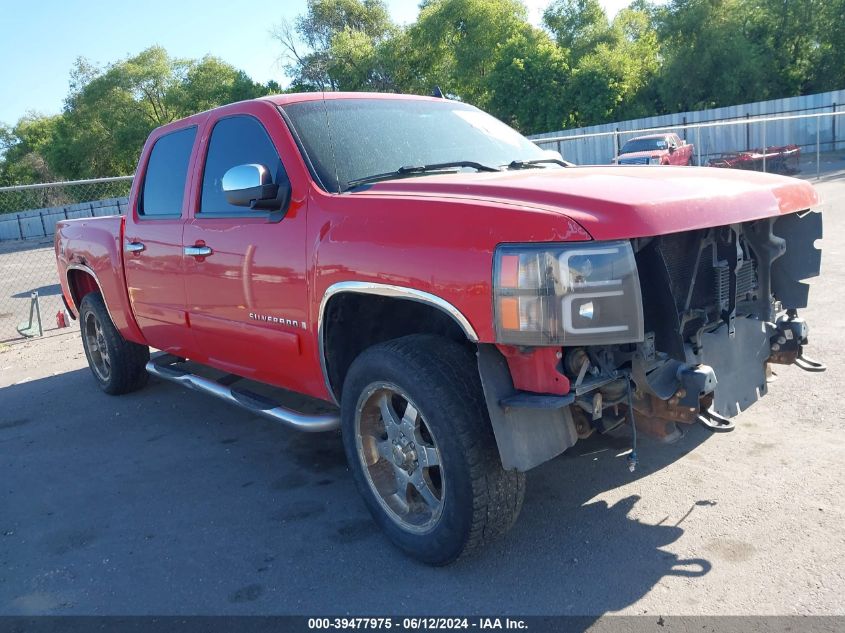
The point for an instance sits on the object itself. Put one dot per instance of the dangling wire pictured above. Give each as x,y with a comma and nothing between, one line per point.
632,456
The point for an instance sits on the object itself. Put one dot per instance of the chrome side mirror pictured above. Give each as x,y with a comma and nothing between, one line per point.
252,186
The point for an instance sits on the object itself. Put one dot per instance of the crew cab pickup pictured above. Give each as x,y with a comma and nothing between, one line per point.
461,304
656,149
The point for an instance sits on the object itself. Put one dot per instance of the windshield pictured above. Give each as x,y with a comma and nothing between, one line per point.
351,139
643,145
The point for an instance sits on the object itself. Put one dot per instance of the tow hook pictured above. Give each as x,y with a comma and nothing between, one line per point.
808,364
715,422
787,344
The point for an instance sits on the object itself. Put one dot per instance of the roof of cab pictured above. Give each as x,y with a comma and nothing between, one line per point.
285,99
297,97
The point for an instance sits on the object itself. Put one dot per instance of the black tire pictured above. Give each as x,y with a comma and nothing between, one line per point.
479,500
122,368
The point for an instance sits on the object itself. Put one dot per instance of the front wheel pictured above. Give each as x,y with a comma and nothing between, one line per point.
118,365
421,448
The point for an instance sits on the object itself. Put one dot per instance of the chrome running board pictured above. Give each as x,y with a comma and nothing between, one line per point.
163,367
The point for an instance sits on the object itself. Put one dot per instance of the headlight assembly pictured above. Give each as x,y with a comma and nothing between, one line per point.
567,294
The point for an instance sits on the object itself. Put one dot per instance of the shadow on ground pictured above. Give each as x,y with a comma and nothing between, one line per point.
52,290
165,501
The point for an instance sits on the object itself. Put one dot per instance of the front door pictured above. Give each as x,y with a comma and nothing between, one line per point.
153,244
245,269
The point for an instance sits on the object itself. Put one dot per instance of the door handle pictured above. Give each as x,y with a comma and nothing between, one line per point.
198,251
134,247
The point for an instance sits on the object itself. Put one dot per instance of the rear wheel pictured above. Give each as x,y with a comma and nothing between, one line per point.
422,451
118,365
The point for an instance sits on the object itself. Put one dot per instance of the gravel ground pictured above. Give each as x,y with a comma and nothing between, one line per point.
167,502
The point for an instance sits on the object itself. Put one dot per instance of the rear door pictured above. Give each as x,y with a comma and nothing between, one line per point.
246,295
153,243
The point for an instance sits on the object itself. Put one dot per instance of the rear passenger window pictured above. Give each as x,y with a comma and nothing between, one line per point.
238,140
167,172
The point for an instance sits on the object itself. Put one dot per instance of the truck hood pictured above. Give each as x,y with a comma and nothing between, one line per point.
625,201
652,153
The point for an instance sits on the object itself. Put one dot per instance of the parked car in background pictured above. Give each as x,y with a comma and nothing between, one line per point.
656,149
461,304
783,159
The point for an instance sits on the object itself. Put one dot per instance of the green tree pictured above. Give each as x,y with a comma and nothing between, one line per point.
578,25
711,58
528,83
22,150
797,40
110,112
332,46
456,44
829,69
616,79
360,63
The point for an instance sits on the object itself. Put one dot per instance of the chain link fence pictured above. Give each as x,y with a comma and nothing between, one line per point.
29,213
30,295
787,144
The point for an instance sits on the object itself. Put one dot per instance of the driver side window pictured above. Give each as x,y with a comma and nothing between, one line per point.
237,140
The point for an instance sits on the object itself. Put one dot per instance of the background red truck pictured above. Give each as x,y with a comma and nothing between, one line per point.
656,149
461,304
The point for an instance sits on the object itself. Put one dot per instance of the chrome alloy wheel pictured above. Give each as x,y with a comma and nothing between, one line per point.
400,457
98,351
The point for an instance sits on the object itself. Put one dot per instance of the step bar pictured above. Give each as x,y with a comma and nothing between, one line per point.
163,366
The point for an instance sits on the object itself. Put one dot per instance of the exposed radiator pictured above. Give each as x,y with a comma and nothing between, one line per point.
711,284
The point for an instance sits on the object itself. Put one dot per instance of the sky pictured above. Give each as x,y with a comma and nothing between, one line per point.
42,39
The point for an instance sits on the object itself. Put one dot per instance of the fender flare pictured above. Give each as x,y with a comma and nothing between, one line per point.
85,269
383,290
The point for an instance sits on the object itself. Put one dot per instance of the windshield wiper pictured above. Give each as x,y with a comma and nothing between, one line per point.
528,164
413,170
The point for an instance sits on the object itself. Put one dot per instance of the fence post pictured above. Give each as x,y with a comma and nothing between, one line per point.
833,127
698,145
764,147
747,132
818,156
685,128
616,146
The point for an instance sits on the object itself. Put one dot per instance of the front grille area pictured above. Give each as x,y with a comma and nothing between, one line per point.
746,283
679,252
636,160
710,283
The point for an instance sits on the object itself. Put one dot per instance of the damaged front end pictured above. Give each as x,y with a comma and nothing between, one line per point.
719,304
677,328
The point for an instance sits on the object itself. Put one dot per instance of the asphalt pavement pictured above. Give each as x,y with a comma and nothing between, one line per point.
168,502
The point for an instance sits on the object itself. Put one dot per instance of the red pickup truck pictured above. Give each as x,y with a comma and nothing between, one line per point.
461,304
656,149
